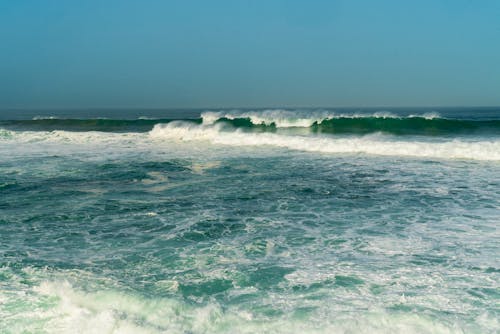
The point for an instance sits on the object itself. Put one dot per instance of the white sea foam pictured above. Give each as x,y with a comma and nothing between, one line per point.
146,118
428,115
69,310
372,144
280,118
37,118
5,134
70,137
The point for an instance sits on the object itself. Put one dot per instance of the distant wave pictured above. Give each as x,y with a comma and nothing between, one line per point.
94,124
289,118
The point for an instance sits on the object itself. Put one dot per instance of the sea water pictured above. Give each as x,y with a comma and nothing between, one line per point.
250,221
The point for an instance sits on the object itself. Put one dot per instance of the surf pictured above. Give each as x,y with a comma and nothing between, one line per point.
376,144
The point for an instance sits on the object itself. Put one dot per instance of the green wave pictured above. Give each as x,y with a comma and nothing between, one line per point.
408,126
395,126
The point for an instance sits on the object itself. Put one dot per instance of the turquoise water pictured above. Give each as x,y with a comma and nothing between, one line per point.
267,221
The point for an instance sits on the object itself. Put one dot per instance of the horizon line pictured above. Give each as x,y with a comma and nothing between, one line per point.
241,107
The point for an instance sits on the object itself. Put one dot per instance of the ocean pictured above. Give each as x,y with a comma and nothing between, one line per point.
250,221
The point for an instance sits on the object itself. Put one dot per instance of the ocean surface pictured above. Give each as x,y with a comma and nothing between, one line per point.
250,221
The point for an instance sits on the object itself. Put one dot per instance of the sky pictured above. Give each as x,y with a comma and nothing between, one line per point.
260,53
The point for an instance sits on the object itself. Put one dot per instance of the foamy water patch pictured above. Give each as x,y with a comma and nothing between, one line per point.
5,134
69,310
71,137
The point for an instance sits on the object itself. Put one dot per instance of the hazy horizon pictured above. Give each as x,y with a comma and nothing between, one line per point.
234,54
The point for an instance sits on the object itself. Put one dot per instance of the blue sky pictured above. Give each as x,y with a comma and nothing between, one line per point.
234,53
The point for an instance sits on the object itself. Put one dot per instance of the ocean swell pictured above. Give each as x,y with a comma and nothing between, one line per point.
428,124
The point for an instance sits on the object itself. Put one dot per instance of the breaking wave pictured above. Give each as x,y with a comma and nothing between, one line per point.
222,133
376,144
290,118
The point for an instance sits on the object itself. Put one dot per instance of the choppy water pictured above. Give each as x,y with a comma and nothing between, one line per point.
268,221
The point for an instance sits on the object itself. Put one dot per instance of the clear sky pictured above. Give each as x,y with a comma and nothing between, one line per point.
260,53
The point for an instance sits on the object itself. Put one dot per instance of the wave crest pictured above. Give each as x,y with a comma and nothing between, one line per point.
282,118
